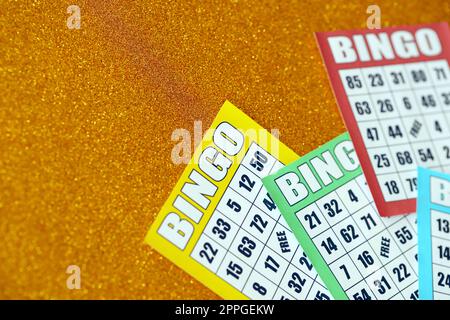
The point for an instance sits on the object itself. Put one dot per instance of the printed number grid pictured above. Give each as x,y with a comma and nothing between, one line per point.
371,257
248,244
403,114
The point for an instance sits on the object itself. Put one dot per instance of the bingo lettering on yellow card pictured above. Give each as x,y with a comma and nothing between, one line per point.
220,225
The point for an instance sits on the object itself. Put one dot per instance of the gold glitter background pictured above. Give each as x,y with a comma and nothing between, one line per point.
86,118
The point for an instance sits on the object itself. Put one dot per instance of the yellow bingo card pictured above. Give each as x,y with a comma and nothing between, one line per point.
221,226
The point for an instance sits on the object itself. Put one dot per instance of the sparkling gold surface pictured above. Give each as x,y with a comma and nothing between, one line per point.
86,118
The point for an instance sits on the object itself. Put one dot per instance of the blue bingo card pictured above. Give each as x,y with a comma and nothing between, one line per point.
433,220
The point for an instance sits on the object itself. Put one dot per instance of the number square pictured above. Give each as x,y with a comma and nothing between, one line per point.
437,126
406,103
384,105
403,156
394,132
271,265
312,220
332,208
258,161
246,183
396,77
265,203
346,272
427,100
368,221
412,256
352,196
404,235
246,247
318,292
362,107
391,187
409,182
208,253
443,94
425,154
259,288
439,72
374,79
442,148
440,224
296,283
441,251
411,292
382,285
302,262
401,273
221,229
362,183
372,134
258,224
361,291
382,161
349,234
353,81
234,271
282,295
365,259
418,75
329,246
441,279
234,206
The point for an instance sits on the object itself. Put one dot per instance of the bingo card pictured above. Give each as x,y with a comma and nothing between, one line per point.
220,225
358,254
433,220
393,89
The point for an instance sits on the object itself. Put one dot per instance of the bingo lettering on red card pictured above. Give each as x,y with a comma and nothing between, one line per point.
220,225
393,89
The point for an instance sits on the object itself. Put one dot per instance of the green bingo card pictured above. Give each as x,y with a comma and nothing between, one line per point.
359,255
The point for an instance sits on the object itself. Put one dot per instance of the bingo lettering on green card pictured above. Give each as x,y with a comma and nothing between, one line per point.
359,255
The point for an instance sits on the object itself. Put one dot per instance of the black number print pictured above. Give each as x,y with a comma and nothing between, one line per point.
401,272
353,82
444,280
259,223
259,288
246,247
382,160
363,107
234,270
246,183
443,225
383,285
221,228
332,208
207,247
258,161
297,282
313,220
392,187
385,105
376,80
304,261
329,245
349,234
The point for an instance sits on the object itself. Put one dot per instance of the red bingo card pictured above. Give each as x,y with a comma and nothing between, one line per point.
393,89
